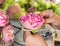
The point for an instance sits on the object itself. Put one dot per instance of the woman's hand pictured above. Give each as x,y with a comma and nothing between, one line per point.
51,18
34,40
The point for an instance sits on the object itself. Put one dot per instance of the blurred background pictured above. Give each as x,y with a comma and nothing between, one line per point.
14,7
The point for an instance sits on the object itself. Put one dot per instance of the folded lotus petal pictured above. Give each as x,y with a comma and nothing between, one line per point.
8,33
32,21
4,19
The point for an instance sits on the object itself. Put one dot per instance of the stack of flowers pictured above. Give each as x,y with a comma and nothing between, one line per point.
6,29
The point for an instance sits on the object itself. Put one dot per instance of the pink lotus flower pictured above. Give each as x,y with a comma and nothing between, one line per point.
8,34
4,19
32,21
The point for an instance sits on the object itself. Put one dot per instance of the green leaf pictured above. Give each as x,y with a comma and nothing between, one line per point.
7,4
42,7
40,1
57,10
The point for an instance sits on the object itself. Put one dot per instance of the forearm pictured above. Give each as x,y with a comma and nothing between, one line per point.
34,40
42,42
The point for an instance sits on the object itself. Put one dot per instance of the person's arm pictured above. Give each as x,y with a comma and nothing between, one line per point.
34,40
51,18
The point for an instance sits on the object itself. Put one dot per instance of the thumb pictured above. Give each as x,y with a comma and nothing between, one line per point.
50,20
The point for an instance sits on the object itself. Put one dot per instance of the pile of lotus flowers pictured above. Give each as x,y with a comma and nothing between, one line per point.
6,29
